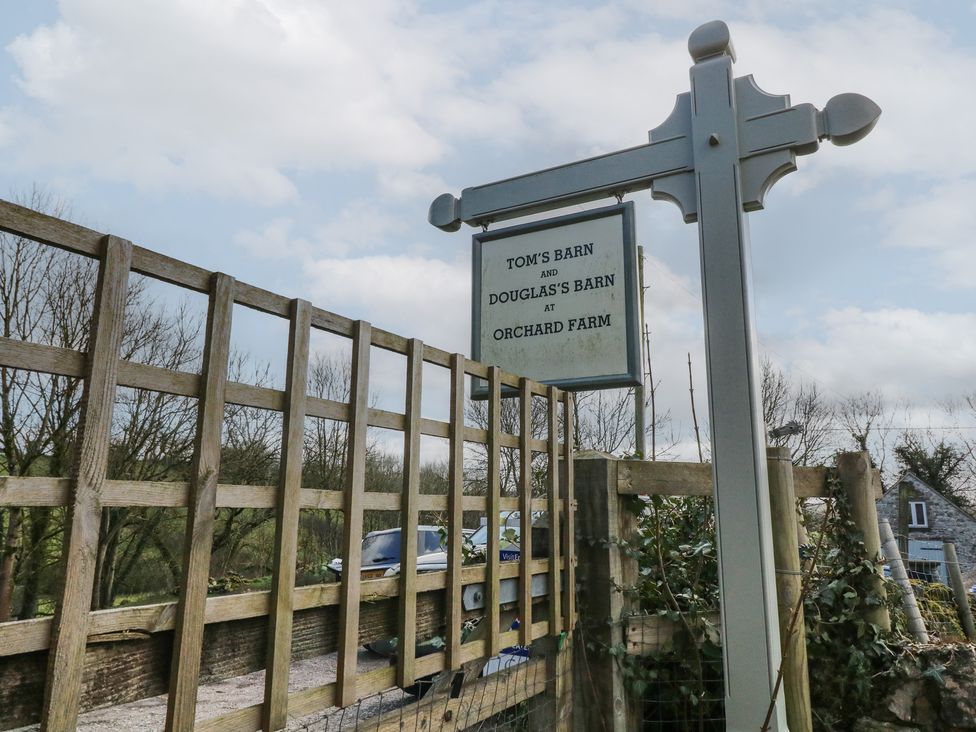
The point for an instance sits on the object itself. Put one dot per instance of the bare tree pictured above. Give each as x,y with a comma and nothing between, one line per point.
784,402
867,418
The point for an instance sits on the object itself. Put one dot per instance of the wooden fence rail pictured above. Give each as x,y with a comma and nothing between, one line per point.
87,492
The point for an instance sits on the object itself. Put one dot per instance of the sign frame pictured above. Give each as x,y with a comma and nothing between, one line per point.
633,374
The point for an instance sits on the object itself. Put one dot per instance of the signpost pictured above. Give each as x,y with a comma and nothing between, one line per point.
556,300
724,145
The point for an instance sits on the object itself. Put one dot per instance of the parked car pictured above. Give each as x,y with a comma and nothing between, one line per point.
381,550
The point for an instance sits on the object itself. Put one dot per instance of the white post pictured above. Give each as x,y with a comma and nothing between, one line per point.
747,581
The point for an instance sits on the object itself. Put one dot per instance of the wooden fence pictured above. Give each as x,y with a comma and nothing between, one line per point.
64,639
603,697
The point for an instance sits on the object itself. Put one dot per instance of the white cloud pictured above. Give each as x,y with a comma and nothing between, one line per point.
940,223
359,227
228,97
419,297
274,241
904,353
233,97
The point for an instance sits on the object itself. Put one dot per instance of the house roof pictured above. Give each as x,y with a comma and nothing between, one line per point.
910,475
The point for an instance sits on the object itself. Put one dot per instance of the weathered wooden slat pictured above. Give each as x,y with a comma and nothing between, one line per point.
352,525
254,396
70,625
409,516
18,491
812,482
650,634
455,513
552,488
569,510
143,376
22,221
17,354
159,266
525,512
664,478
262,300
198,542
494,498
275,710
695,479
28,636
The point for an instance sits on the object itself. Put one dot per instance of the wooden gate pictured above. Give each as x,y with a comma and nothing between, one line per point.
51,668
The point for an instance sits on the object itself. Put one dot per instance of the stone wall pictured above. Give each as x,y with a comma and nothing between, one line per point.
947,522
934,690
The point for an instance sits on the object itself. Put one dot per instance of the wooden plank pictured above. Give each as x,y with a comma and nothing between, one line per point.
810,482
144,376
70,625
159,266
331,322
352,525
17,354
525,513
185,671
18,491
327,409
645,635
635,477
569,509
455,513
275,710
695,479
248,395
492,592
262,300
22,221
555,577
407,628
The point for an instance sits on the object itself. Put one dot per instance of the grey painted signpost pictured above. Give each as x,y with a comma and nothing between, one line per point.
724,145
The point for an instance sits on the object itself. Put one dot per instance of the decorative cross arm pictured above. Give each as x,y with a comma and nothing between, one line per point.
771,133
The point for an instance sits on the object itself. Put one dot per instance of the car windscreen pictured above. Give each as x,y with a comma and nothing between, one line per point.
381,549
480,537
385,548
429,542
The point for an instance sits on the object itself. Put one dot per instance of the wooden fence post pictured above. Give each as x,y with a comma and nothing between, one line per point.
789,585
198,541
854,469
959,591
352,516
274,714
601,701
69,633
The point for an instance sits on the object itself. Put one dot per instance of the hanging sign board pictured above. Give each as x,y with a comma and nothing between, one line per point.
556,300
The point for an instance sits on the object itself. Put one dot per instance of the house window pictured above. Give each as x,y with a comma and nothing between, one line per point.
918,517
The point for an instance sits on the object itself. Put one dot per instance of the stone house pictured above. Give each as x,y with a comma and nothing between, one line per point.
929,519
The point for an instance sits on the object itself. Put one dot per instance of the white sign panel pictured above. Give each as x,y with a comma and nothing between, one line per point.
556,300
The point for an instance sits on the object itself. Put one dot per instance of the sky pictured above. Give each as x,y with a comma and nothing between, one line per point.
297,144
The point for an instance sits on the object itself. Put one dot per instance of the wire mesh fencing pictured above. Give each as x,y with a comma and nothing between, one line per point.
673,672
520,689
